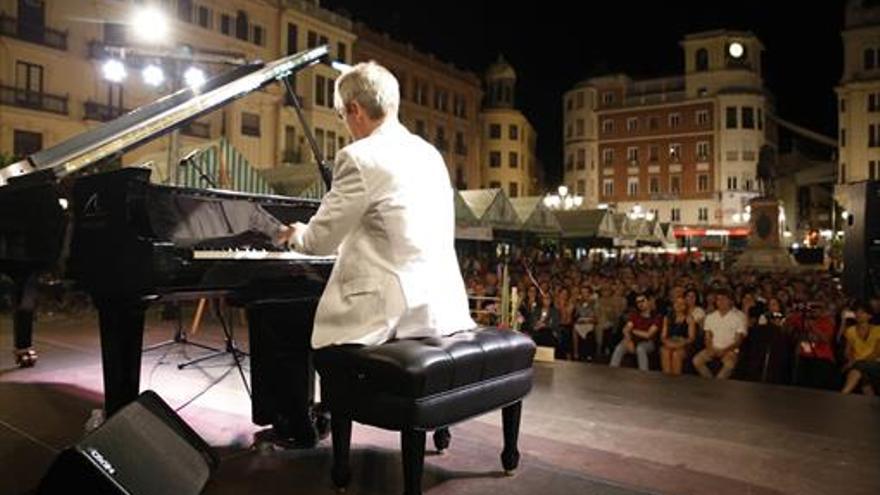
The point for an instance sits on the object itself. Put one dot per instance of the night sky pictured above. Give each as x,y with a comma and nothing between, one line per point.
552,48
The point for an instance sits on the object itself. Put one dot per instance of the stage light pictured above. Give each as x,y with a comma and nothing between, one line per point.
194,77
113,71
150,25
736,49
153,75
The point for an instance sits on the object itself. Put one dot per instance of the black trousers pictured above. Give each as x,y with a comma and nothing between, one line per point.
818,373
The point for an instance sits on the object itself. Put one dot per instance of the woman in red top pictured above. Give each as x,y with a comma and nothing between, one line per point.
815,336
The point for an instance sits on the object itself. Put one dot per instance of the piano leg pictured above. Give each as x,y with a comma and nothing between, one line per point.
122,336
25,298
282,374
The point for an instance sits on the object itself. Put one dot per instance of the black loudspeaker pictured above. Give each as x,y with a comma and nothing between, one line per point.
861,241
143,449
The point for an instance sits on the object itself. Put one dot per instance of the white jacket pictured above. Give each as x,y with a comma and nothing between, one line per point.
391,216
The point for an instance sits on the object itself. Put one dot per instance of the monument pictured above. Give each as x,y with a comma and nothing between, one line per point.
764,251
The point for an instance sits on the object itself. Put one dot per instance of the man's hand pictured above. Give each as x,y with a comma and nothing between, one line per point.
287,234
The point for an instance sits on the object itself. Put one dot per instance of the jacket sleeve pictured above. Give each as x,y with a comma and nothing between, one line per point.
340,211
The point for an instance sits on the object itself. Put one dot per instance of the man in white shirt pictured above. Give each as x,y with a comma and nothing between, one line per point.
390,216
725,328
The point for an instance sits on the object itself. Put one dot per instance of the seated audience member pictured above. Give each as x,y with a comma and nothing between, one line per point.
815,352
544,323
585,322
679,332
725,330
695,311
638,334
528,306
565,305
769,355
862,351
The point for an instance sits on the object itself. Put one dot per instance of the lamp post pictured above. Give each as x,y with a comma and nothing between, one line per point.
563,200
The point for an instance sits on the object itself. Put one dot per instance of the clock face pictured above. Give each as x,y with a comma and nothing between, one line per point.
764,226
736,49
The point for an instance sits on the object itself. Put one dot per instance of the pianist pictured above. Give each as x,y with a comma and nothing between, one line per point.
390,216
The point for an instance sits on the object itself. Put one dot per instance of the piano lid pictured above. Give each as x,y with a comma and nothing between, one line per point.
155,119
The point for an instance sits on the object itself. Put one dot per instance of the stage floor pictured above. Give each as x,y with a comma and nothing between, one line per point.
585,429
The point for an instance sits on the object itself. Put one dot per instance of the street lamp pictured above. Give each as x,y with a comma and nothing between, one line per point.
637,212
150,25
563,200
114,70
194,77
153,75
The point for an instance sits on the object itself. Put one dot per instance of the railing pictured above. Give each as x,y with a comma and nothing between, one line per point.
32,33
33,100
101,112
197,129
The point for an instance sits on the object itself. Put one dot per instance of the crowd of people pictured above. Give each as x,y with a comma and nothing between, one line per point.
681,315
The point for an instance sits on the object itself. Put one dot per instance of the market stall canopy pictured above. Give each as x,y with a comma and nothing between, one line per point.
534,215
492,208
586,224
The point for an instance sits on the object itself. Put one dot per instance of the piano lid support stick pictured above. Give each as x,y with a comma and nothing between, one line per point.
323,167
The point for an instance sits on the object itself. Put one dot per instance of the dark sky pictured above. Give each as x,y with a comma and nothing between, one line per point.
552,47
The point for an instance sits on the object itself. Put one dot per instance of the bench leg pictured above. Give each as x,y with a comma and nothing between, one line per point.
442,437
412,445
510,420
341,431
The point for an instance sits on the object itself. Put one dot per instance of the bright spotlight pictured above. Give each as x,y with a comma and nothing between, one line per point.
194,77
150,25
153,75
736,49
114,71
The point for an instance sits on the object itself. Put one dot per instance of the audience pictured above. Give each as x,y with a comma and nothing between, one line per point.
725,329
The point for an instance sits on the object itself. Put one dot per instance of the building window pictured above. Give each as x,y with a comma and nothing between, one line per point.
250,124
185,10
569,104
874,135
731,183
654,185
843,105
581,159
494,184
870,58
341,52
703,214
654,153
25,143
513,189
494,131
674,120
748,118
760,119
607,126
842,173
703,150
607,97
569,163
675,152
292,34
579,127
675,215
331,145
632,186
29,77
731,117
675,184
258,36
460,147
513,133
873,100
579,98
460,181
205,17
495,159
632,155
226,24
440,139
608,156
843,138
608,187
421,129
701,62
241,25
321,91
581,187
513,159
873,170
653,123
632,124
568,131
702,183
702,117
441,100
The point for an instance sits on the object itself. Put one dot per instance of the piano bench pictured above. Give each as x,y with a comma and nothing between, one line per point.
418,385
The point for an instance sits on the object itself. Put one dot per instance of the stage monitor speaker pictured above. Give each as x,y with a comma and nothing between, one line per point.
861,241
143,449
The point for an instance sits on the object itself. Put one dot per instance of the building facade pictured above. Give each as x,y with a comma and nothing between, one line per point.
437,101
683,149
859,94
509,139
52,87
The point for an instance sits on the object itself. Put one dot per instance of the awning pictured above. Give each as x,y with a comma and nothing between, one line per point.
534,215
226,167
585,224
492,208
704,231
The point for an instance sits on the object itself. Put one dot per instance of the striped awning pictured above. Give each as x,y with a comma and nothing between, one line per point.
228,169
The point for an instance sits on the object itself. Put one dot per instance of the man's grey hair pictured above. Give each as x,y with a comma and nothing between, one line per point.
372,86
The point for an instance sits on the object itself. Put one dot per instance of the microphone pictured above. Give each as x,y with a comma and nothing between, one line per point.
189,158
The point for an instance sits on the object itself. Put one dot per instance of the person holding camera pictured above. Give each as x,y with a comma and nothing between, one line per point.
815,354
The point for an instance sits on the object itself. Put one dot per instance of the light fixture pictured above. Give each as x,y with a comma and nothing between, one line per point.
150,24
563,191
736,49
844,214
194,77
153,75
114,71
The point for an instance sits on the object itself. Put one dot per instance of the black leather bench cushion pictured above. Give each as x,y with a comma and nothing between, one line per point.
417,368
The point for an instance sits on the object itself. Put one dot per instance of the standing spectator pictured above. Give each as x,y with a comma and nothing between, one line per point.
862,351
679,332
638,334
725,330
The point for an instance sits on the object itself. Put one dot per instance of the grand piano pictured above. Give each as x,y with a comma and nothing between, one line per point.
130,243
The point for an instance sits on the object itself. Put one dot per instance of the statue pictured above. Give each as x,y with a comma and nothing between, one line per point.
766,171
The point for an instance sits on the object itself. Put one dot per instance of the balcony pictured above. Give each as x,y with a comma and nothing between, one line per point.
101,112
197,129
32,33
33,100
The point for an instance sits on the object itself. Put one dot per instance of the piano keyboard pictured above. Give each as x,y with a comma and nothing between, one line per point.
257,254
